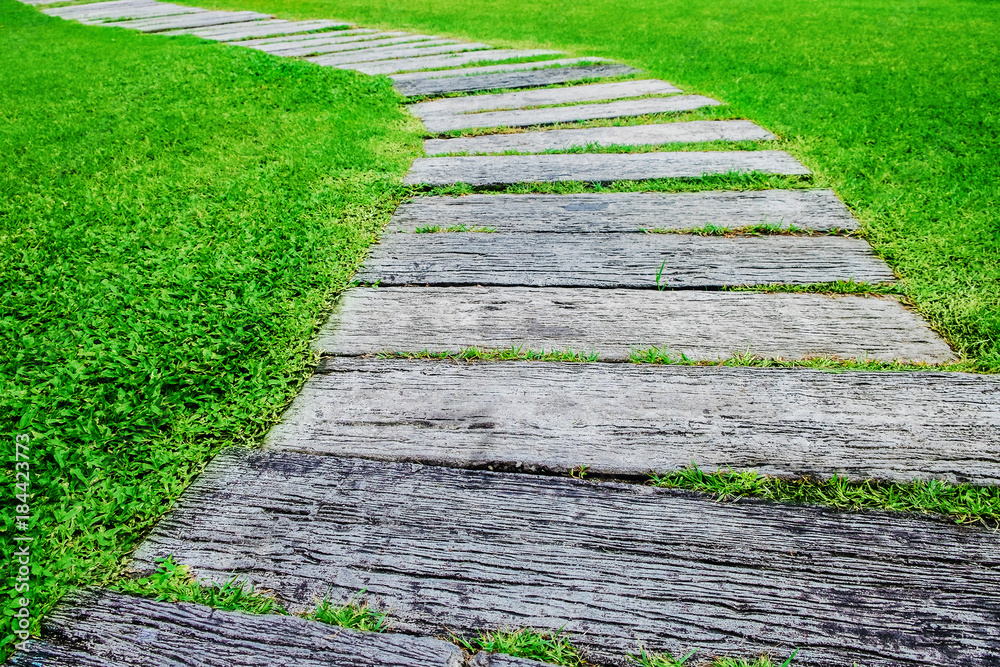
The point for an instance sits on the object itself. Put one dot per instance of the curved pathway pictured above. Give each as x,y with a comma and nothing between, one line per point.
429,483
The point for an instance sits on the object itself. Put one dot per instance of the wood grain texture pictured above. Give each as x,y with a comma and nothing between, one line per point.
335,44
585,93
223,33
498,80
88,14
611,323
423,49
627,211
614,564
499,68
445,62
292,40
599,168
629,419
683,261
190,21
101,627
634,135
266,28
110,9
549,115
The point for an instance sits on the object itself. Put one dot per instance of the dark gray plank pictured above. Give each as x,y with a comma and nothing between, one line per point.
294,40
614,564
634,135
601,168
265,28
526,79
546,116
190,21
445,62
100,627
335,44
611,323
428,48
627,419
627,211
683,261
527,98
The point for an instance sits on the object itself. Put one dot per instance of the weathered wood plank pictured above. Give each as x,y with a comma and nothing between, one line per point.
546,116
628,419
614,564
586,93
612,323
222,33
423,49
88,14
596,168
502,79
627,211
292,39
190,21
445,62
334,44
683,261
633,135
486,69
113,6
101,627
264,29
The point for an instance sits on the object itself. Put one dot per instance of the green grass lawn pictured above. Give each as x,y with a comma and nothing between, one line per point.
175,219
894,103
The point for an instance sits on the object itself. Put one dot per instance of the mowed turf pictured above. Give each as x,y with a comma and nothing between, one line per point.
892,102
175,219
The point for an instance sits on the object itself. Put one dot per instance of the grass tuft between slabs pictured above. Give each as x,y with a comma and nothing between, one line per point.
963,503
173,582
556,648
176,220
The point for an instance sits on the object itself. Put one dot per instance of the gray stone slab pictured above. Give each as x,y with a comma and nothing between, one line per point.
629,419
614,565
428,48
567,114
683,261
612,323
498,80
596,168
261,29
627,211
291,40
630,135
486,69
445,62
348,43
191,21
101,627
569,94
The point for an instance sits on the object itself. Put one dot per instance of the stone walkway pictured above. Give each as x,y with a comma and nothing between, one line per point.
429,483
